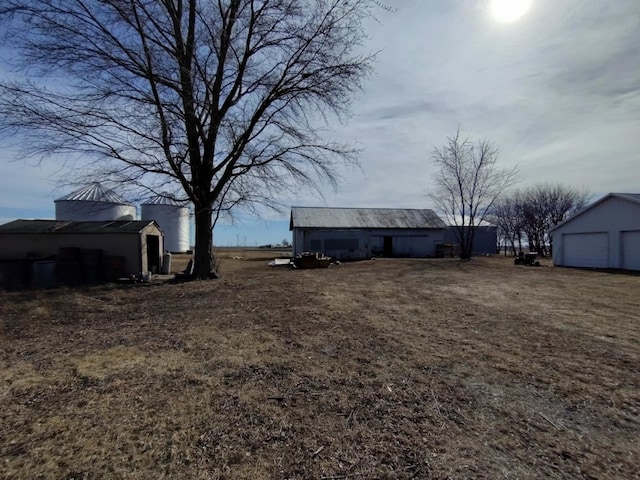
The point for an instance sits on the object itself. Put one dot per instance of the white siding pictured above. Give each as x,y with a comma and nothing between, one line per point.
580,241
586,249
631,250
174,222
358,243
339,244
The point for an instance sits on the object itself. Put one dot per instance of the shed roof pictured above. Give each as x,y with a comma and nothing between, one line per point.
630,197
69,227
95,192
459,220
322,217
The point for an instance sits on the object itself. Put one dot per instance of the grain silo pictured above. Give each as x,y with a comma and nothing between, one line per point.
94,203
173,219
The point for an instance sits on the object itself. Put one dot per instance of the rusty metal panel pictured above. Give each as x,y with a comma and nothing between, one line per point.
321,217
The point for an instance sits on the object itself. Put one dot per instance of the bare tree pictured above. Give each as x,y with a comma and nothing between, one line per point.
467,185
218,99
505,214
542,207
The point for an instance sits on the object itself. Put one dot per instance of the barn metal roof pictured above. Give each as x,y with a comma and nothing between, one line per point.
95,192
67,227
321,217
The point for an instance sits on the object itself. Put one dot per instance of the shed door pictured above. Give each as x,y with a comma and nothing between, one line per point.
153,253
586,249
631,250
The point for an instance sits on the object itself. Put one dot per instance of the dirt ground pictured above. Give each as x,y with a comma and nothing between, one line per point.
378,369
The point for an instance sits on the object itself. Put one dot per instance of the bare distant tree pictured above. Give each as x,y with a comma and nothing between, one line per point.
505,214
219,99
467,185
542,207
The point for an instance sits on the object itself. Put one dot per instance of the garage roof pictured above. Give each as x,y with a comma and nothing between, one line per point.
65,227
631,197
322,217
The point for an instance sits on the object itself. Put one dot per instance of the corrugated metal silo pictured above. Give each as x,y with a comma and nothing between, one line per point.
173,219
94,203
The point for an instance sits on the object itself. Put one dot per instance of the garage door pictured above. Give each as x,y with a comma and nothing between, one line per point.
586,249
631,250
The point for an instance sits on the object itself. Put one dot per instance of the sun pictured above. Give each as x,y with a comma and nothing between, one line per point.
507,11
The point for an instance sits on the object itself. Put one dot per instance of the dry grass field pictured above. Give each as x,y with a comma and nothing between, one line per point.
379,369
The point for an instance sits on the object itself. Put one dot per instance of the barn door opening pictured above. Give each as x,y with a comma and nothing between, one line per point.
153,253
387,249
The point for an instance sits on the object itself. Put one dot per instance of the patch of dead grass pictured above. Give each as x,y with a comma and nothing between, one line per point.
103,364
19,377
380,369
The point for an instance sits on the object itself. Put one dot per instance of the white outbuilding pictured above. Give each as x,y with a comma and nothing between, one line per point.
606,234
356,233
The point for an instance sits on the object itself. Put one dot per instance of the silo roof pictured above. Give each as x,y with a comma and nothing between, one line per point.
162,200
95,193
321,217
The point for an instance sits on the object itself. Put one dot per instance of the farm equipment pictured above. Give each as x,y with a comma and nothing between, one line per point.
528,259
311,260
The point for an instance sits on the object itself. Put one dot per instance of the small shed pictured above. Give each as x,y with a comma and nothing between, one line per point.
128,247
358,233
606,234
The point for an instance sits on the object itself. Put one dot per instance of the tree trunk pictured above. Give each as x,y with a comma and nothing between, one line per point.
461,234
466,243
471,233
203,264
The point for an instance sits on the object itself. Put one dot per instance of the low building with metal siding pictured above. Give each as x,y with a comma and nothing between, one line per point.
139,243
485,239
606,234
357,233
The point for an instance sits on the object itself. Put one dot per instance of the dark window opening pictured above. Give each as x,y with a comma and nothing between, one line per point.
153,253
387,249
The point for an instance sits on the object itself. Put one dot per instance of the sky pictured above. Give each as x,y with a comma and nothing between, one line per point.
557,91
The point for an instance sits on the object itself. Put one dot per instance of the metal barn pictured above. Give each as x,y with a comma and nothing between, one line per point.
358,233
124,247
485,239
606,234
